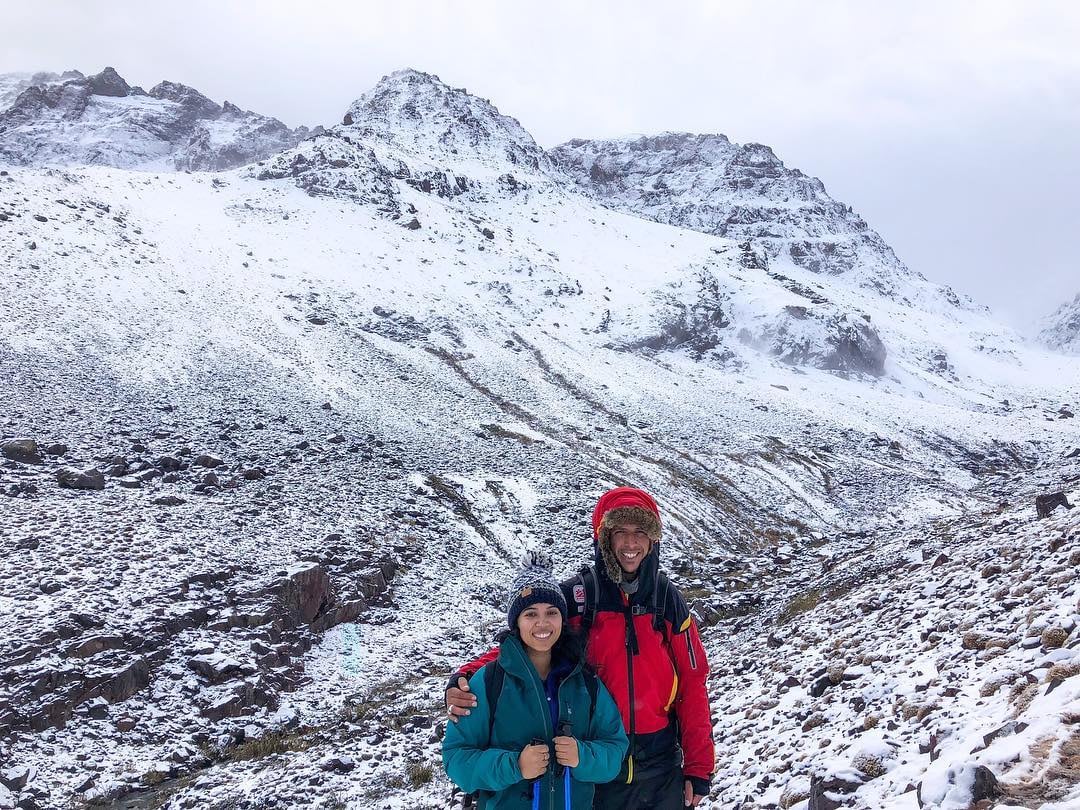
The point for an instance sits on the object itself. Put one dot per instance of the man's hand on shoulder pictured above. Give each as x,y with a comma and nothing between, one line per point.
459,700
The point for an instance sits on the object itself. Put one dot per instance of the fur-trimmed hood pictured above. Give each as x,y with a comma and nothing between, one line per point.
618,507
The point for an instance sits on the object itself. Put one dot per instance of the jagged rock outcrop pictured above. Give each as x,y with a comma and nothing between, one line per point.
102,120
13,84
1060,331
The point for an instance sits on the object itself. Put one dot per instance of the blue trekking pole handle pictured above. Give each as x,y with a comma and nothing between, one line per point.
566,730
536,782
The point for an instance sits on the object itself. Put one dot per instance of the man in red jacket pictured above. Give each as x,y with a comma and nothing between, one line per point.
644,646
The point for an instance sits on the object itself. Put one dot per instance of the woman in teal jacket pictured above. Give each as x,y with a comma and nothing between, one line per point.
545,718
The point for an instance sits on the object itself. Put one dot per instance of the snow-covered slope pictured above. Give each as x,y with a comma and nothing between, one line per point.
796,232
1060,330
333,396
101,120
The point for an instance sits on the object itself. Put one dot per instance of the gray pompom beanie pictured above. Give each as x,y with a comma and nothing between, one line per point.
535,583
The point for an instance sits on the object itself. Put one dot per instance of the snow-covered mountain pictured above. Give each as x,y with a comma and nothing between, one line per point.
274,439
101,120
1060,330
708,183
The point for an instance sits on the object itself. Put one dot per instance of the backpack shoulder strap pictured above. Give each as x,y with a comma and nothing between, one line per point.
660,603
591,685
591,585
494,674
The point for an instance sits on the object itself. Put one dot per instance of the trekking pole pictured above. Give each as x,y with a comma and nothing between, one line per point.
566,730
536,782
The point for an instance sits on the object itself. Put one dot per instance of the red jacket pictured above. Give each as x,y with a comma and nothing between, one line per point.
654,668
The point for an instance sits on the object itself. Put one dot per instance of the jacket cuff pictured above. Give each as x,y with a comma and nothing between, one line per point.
700,784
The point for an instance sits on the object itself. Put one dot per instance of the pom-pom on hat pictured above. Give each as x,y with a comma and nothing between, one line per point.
535,583
619,507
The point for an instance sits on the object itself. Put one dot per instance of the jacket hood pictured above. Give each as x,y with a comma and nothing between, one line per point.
620,506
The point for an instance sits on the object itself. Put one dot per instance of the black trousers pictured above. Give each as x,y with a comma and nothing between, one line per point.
664,791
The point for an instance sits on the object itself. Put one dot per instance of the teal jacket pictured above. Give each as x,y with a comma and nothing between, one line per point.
474,761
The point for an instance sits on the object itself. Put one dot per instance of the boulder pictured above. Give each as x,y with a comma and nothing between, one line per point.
169,463
25,451
215,667
17,778
830,792
1046,504
92,646
207,460
338,764
88,478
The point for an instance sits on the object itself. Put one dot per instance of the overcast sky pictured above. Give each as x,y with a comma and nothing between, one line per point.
952,127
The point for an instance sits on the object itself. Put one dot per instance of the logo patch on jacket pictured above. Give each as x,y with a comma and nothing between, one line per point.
579,594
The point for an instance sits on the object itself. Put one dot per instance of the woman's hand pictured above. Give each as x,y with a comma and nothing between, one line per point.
533,760
566,752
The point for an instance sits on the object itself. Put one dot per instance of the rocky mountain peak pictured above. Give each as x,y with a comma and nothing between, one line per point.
103,120
707,183
1060,330
108,83
420,113
187,97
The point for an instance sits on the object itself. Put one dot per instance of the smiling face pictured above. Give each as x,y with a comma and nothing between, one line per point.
540,626
630,544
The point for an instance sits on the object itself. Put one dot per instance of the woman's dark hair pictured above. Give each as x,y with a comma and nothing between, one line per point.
570,645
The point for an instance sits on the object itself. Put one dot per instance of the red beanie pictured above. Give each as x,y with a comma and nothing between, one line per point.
619,498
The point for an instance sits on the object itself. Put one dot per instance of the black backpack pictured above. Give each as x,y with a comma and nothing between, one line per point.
588,580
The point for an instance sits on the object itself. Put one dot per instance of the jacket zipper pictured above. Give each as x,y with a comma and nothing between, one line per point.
631,640
546,713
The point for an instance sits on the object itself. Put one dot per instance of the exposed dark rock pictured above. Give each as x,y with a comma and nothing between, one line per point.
108,83
831,793
88,478
986,784
303,593
1046,504
25,451
94,645
338,764
169,463
821,685
215,667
